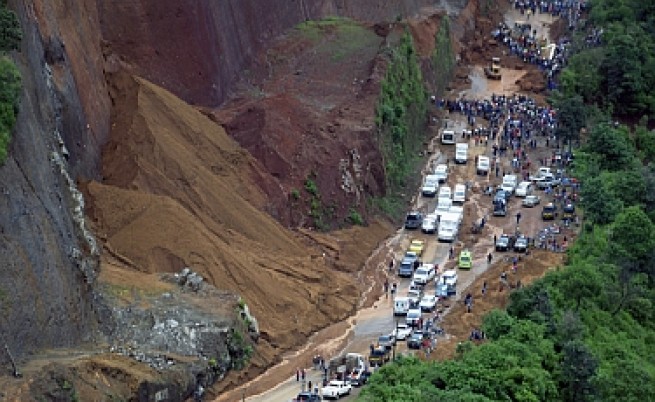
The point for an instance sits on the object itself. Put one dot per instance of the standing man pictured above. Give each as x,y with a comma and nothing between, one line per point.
518,218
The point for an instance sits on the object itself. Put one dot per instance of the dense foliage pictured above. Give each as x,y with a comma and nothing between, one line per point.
586,331
10,83
619,74
401,112
443,57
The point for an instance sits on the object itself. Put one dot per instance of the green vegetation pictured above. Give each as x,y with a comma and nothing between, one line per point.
338,38
620,74
240,350
586,331
10,82
401,113
443,57
355,217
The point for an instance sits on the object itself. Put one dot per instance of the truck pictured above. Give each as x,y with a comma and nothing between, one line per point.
493,70
461,152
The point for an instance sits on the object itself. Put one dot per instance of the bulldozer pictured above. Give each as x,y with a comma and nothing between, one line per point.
493,71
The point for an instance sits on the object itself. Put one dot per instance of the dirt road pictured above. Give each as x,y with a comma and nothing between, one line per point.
356,334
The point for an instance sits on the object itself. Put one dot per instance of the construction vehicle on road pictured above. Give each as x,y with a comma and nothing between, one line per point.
493,71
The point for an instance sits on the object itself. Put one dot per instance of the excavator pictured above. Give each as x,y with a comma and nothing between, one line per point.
493,71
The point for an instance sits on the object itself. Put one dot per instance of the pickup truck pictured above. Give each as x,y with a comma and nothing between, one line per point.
336,389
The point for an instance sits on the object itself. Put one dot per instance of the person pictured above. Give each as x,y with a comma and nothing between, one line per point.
297,374
484,288
391,265
309,385
518,218
302,374
386,288
489,258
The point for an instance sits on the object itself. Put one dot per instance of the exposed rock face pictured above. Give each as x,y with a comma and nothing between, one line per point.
49,259
196,49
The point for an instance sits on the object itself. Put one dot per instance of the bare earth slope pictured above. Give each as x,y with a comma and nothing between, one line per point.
179,192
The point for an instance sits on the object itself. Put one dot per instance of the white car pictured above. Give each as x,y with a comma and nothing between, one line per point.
428,303
445,193
430,185
483,166
336,389
441,171
414,296
449,277
413,316
429,224
424,274
402,331
524,189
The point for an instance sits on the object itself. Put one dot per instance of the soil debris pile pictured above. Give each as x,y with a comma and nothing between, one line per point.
178,192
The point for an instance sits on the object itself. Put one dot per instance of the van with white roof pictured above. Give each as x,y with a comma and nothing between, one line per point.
448,227
448,137
459,195
461,152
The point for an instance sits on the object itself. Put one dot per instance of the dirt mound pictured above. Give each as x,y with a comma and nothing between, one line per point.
305,111
458,323
179,192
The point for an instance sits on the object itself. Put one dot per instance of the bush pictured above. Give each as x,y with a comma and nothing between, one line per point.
355,218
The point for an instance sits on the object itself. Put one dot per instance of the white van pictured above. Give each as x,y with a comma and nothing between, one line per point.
458,211
441,171
459,195
445,192
448,137
483,165
400,306
448,227
443,206
461,152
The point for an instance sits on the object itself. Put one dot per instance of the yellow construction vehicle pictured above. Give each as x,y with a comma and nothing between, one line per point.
493,71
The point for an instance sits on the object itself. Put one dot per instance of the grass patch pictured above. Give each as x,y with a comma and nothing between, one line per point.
337,38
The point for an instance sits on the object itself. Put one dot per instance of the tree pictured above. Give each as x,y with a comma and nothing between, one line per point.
497,323
600,204
579,282
570,119
10,32
578,370
633,236
613,146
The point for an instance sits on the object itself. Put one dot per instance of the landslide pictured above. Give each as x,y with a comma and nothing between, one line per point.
178,191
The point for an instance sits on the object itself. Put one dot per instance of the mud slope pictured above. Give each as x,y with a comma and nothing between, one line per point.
179,192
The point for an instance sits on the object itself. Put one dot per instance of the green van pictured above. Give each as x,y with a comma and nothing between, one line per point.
465,259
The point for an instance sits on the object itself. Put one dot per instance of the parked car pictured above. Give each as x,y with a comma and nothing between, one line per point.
531,201
424,274
524,189
502,195
336,389
307,397
413,316
417,246
465,260
549,212
445,192
415,340
568,212
377,357
428,303
449,277
414,296
387,341
430,186
521,244
358,377
441,171
413,220
402,331
429,224
503,243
